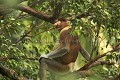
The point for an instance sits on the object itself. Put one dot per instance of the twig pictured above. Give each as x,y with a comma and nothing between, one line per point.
94,46
57,10
15,58
42,32
25,35
87,13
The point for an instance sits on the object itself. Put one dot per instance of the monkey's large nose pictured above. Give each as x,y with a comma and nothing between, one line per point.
57,23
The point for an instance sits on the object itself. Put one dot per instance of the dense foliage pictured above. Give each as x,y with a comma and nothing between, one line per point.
24,36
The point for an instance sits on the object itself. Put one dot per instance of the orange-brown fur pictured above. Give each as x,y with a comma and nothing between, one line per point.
72,43
64,53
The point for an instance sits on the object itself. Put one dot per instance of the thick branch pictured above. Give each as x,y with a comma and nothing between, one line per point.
86,66
10,73
85,73
35,13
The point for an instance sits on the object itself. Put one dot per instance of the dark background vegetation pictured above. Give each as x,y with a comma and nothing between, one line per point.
26,32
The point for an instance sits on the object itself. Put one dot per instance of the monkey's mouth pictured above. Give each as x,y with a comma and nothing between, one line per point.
58,27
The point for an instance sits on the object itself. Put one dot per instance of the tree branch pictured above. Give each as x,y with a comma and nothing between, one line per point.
84,73
101,63
86,66
35,13
26,34
10,74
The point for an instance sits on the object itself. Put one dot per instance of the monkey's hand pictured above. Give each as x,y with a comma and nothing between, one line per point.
43,56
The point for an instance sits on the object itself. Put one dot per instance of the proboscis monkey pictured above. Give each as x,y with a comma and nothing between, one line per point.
64,53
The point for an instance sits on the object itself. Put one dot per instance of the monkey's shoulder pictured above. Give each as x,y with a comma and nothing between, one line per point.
67,37
68,34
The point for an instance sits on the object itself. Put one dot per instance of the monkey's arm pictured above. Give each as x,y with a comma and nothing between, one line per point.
57,52
84,53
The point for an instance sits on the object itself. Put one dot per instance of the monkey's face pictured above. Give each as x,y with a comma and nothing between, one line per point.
61,24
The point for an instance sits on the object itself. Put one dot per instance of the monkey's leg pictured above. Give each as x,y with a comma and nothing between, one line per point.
42,70
52,66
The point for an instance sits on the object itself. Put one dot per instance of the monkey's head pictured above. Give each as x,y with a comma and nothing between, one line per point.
61,23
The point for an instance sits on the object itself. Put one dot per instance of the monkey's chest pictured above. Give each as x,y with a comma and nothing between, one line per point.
72,44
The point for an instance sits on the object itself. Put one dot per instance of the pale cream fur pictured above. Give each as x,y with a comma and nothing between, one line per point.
66,28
